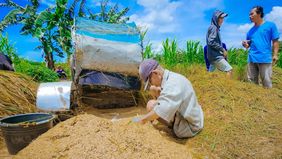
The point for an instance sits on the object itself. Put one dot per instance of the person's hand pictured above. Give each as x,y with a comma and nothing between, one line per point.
225,53
274,59
142,121
139,120
245,43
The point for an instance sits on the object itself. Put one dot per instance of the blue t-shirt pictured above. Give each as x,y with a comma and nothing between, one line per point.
261,37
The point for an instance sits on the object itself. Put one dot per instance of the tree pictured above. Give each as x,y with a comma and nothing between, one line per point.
52,26
109,14
29,17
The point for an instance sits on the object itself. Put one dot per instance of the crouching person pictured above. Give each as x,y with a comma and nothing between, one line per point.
176,103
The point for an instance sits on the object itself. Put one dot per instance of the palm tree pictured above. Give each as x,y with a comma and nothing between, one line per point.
109,14
14,16
29,17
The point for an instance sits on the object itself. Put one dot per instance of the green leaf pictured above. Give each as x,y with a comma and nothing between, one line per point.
43,17
38,33
10,18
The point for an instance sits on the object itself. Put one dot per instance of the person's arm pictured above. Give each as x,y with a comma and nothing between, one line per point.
212,34
246,43
275,44
155,91
149,117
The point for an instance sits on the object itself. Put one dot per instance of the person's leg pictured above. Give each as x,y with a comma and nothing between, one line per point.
224,66
265,71
181,127
211,68
229,74
253,73
207,63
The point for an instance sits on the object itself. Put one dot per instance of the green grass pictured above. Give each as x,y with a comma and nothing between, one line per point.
36,70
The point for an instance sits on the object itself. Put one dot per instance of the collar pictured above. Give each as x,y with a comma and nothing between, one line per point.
165,77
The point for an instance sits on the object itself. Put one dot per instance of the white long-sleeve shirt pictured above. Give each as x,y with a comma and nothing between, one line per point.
178,104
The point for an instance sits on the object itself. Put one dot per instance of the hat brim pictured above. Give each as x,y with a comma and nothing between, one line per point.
223,15
146,84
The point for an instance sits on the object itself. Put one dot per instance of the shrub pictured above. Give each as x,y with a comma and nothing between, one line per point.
36,70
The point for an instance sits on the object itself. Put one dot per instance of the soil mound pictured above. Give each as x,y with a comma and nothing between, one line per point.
88,136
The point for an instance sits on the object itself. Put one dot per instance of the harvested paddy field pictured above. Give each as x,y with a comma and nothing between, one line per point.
242,120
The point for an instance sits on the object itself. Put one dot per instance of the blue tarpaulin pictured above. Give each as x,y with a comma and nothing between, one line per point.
107,47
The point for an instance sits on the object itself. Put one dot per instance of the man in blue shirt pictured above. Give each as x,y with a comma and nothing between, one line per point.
259,38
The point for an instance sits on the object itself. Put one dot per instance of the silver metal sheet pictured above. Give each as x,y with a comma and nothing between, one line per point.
54,96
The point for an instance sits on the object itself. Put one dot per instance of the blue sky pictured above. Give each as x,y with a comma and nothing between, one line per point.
175,19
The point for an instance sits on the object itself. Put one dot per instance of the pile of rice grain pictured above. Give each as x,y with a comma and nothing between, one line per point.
87,136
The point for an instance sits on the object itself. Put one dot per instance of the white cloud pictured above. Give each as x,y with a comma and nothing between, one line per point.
158,15
244,28
276,16
233,34
157,46
182,20
196,8
187,20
